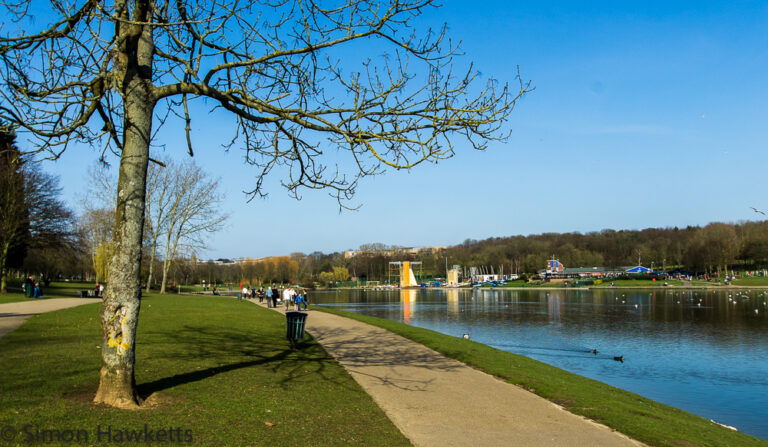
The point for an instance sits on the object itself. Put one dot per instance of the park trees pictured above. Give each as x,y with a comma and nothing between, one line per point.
182,205
109,74
31,214
14,218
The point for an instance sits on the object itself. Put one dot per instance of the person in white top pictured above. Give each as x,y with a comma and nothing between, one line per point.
287,297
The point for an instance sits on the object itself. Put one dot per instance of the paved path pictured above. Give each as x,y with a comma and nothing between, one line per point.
13,315
437,401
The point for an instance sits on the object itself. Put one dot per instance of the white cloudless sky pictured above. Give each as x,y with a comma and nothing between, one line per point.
650,114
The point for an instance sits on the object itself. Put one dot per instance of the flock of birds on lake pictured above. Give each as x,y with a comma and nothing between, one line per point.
733,298
694,298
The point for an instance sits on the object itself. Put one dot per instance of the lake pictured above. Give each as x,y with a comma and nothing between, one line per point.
703,351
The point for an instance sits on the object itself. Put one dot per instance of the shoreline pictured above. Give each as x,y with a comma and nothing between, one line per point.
713,287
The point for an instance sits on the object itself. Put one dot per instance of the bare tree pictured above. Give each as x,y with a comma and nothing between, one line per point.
101,191
97,221
192,212
96,227
159,197
109,74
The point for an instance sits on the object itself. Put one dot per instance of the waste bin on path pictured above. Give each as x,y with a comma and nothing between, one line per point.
294,330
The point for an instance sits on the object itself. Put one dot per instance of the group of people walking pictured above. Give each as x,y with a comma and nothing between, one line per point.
295,298
290,297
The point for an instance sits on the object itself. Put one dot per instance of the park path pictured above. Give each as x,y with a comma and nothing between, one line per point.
13,315
437,401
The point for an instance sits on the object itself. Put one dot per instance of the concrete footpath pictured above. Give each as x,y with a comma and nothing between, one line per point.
437,401
13,315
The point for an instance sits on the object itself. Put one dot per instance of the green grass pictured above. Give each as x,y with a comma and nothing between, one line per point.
704,283
638,283
640,418
55,290
755,281
217,367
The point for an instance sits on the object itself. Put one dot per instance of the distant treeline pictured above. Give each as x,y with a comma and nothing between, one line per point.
715,248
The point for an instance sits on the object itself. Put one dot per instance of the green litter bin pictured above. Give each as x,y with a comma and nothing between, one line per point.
294,330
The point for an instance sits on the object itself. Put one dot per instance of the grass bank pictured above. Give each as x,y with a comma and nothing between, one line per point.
643,419
752,281
638,283
217,369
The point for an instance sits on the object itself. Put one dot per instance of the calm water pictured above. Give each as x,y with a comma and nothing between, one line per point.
704,352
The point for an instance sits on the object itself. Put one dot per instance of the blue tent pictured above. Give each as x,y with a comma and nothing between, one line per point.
639,269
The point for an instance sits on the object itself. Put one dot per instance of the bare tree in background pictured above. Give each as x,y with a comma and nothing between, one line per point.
109,74
159,196
95,228
101,195
181,207
192,212
101,192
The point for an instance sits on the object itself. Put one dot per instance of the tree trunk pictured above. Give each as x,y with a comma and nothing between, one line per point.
122,297
169,253
4,269
165,277
151,265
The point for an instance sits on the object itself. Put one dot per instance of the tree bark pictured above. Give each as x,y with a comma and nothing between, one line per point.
165,278
4,269
170,252
122,298
151,265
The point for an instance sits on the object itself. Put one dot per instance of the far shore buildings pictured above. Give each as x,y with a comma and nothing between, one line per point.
555,269
393,251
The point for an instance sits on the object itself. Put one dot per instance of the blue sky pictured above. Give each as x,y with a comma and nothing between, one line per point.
644,115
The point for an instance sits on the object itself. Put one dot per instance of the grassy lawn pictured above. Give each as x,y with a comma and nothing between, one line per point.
217,369
55,290
704,283
640,418
756,281
637,283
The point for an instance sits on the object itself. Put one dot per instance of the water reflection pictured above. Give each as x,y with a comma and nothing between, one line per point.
407,297
703,351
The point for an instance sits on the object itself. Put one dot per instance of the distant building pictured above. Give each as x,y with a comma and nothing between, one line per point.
556,269
487,278
554,266
453,277
393,251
